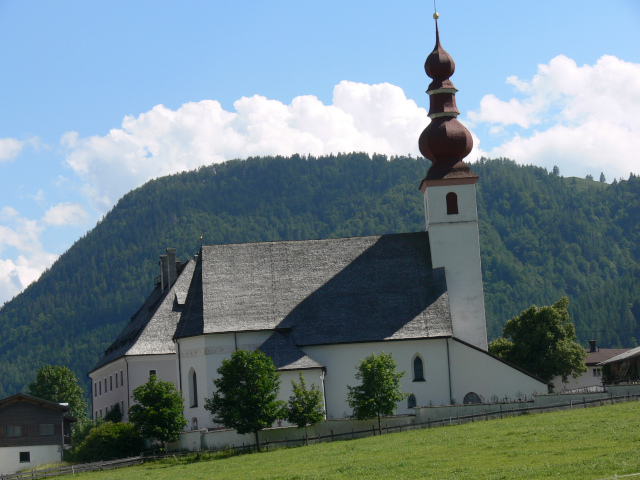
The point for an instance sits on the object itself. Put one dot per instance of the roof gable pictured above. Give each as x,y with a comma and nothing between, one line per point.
23,397
151,328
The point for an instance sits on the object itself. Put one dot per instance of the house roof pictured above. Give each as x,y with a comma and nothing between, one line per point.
23,397
602,354
151,328
285,355
630,353
340,290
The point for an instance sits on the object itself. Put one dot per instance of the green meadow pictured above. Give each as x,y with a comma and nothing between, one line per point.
593,443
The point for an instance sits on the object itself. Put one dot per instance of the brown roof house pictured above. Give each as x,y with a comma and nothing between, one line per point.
592,380
32,432
623,368
319,307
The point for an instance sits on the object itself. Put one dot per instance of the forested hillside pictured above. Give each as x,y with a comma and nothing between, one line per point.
542,236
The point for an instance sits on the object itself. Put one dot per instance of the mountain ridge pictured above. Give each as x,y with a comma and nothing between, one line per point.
542,237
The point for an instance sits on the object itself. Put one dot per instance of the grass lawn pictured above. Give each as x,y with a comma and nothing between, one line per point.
581,444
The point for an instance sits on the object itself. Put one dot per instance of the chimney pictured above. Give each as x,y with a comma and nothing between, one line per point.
171,262
163,272
592,346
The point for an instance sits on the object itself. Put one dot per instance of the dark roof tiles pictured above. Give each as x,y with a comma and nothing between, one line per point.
324,291
151,329
286,355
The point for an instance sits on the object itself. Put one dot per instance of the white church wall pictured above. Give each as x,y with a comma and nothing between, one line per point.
455,245
476,371
205,353
311,376
192,356
140,367
342,360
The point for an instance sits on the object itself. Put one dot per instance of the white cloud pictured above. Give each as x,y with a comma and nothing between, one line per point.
10,148
587,119
66,214
23,236
370,118
7,213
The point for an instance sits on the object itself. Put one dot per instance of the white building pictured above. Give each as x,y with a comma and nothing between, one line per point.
591,380
321,306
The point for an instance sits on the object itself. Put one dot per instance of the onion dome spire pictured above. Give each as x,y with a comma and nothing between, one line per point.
445,141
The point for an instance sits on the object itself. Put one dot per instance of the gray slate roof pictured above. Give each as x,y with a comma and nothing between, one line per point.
320,291
286,355
151,328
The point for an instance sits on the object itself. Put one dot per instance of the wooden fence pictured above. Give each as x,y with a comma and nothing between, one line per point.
73,469
506,410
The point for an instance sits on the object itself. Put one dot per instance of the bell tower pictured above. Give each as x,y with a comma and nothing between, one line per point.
450,206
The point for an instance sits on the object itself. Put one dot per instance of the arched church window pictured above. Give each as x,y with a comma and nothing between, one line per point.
471,397
411,401
452,203
418,371
194,423
193,388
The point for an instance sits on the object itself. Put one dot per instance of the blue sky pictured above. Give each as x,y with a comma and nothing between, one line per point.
99,97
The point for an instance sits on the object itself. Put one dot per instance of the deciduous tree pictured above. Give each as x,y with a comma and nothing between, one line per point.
542,341
305,406
246,396
380,389
59,384
157,413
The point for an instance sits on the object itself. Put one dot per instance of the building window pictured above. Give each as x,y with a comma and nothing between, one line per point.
121,379
122,406
597,372
411,401
106,410
45,429
96,415
193,388
95,390
152,372
110,382
471,397
14,431
418,371
194,423
25,457
105,385
99,388
100,413
452,203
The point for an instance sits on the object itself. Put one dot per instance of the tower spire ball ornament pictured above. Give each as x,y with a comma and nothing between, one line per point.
445,141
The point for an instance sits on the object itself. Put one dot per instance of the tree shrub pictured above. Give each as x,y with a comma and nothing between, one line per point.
109,441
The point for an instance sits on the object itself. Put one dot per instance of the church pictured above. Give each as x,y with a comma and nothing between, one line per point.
318,307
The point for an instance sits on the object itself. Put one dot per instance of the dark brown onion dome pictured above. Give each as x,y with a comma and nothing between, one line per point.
439,65
445,141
